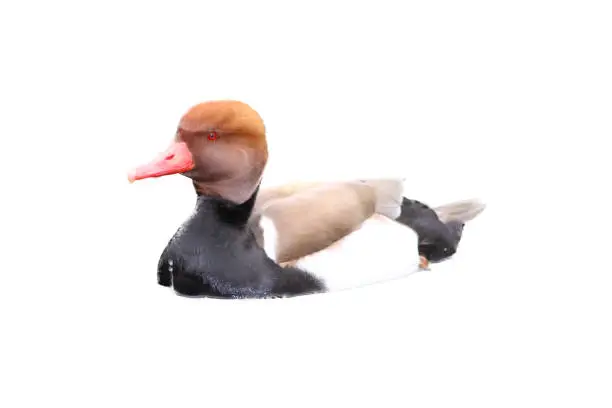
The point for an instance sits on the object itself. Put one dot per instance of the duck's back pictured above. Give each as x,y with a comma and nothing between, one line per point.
308,217
313,219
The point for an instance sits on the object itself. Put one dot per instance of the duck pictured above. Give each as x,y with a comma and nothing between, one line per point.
295,240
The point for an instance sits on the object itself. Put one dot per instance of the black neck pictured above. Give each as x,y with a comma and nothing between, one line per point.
225,210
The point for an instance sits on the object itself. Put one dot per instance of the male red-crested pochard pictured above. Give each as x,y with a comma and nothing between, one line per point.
226,250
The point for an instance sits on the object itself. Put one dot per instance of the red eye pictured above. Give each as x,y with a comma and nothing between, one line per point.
212,135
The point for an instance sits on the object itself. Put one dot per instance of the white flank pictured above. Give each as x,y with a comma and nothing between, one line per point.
380,250
270,236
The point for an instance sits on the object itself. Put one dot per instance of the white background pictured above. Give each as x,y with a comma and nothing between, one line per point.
507,101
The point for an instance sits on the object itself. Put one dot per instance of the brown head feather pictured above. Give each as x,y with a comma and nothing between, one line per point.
228,143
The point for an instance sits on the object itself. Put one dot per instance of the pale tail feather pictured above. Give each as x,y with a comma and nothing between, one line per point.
462,211
389,193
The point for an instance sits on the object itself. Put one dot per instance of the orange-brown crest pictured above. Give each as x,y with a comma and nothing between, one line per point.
233,118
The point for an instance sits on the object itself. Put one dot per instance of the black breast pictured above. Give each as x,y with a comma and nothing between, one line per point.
214,253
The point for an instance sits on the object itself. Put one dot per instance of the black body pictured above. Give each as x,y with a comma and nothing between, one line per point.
214,254
437,240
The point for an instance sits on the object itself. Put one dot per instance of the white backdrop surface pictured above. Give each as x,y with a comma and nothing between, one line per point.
508,102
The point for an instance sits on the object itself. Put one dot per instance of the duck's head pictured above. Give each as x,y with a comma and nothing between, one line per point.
220,145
